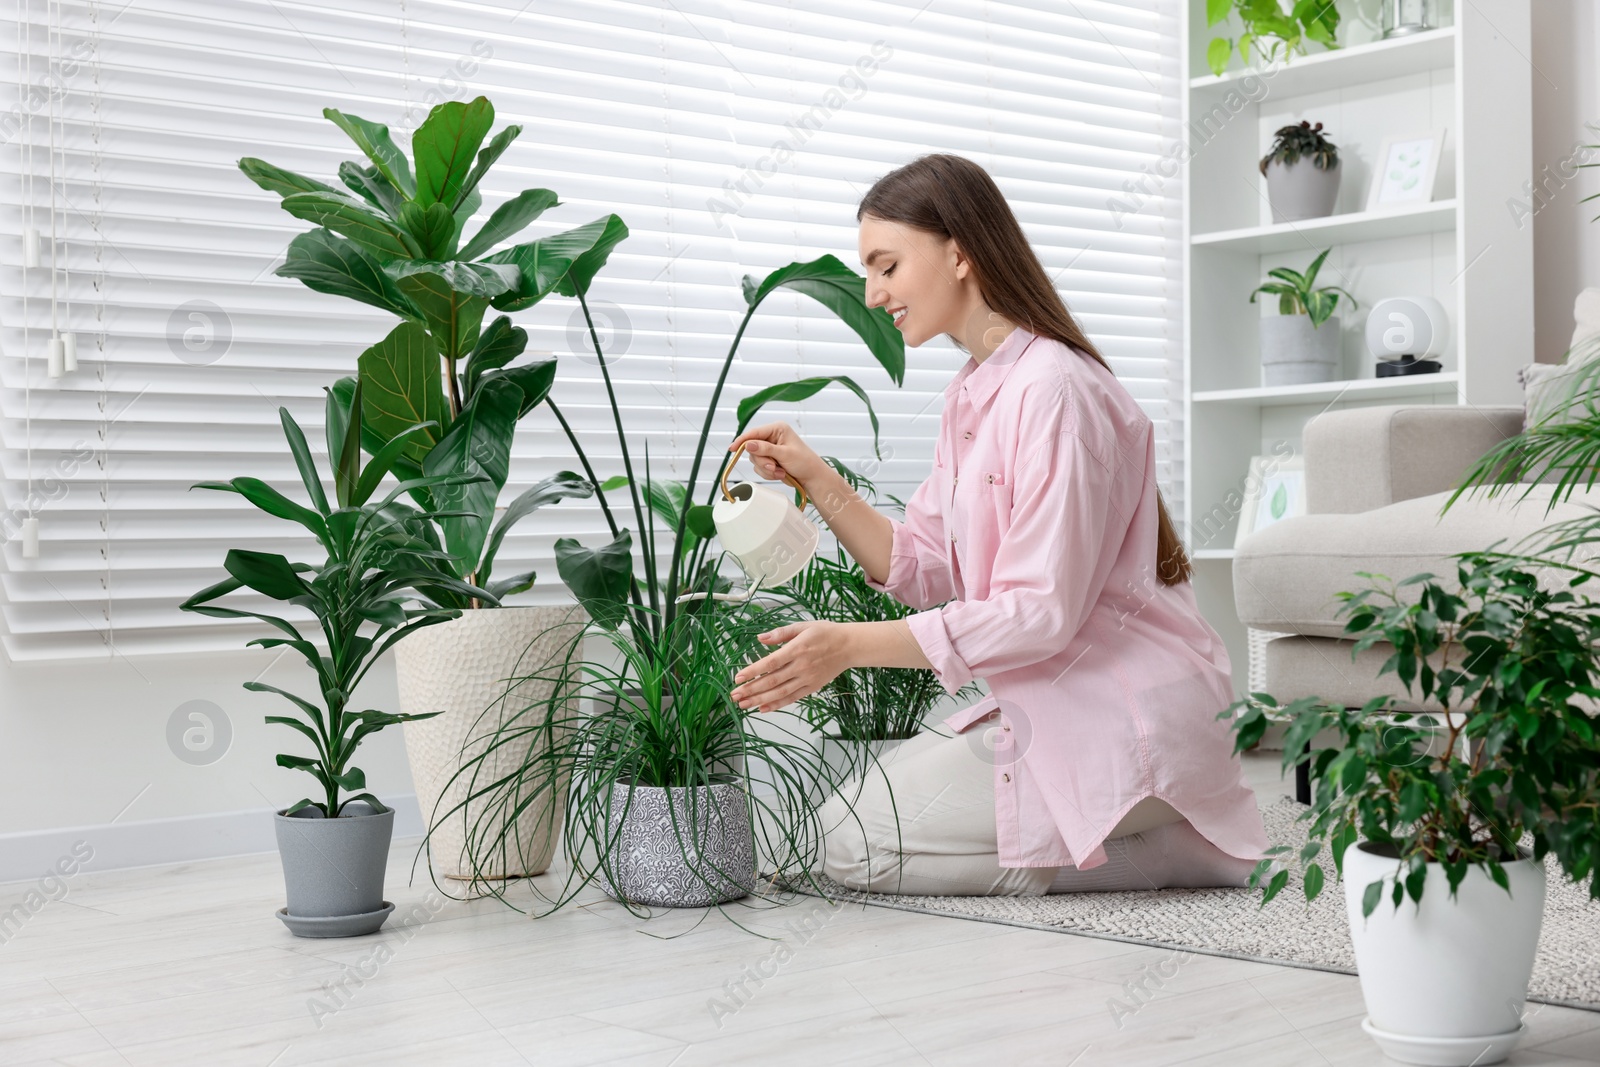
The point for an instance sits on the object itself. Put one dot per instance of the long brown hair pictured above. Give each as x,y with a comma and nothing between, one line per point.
951,196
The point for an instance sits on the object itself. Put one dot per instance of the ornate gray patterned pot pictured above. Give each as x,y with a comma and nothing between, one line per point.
695,853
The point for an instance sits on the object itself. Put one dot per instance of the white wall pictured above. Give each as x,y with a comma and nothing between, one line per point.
1566,95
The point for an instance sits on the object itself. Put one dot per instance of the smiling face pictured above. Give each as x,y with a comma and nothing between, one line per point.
917,273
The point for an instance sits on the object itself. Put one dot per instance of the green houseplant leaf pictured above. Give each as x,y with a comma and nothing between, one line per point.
444,145
340,267
843,292
402,387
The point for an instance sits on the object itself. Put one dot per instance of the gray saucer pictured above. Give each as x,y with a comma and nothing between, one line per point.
335,925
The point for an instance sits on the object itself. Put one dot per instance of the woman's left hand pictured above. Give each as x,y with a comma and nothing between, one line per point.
813,654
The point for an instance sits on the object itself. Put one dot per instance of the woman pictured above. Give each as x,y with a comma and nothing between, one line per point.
1098,761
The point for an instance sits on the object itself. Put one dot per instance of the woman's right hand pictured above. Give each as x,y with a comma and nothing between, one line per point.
776,451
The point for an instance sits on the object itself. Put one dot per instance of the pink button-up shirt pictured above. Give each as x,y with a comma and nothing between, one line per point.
1038,524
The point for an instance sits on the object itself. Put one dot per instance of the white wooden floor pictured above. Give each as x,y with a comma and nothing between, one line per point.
185,964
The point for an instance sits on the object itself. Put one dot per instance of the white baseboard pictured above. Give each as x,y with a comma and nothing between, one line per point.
28,855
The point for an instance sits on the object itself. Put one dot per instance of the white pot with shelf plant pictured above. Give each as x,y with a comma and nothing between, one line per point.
1300,344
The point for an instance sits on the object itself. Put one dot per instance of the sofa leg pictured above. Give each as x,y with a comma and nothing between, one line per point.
1302,777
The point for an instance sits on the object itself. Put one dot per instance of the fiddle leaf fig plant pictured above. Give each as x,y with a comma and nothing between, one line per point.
1298,293
392,237
383,575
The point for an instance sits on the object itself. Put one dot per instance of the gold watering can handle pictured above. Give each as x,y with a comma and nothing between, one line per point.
788,478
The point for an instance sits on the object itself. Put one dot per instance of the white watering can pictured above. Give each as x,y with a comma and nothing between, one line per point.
764,530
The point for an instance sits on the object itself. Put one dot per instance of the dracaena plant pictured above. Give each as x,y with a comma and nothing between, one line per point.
383,575
392,237
1299,294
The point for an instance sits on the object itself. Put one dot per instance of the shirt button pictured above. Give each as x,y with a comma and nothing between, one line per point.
966,435
1007,777
952,538
989,477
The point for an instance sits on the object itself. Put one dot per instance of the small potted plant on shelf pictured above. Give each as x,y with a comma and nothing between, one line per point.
382,577
1300,344
1302,170
1285,32
1461,828
392,234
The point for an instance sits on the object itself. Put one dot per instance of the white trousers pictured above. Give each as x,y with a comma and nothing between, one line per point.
922,822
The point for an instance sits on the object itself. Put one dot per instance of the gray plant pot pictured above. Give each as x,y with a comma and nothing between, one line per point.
333,870
1300,191
1295,353
662,858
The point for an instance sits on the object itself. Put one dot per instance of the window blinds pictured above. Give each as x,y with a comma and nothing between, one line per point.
732,138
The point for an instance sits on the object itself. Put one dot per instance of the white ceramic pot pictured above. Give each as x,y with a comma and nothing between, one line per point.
1445,981
463,668
1294,352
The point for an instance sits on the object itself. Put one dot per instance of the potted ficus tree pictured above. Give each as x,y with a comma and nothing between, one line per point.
1301,342
393,235
1302,170
383,576
1508,654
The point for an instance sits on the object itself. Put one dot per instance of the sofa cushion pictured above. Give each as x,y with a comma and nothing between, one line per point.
1548,387
1285,575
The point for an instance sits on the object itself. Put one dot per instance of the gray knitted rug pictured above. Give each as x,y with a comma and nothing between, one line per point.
1288,931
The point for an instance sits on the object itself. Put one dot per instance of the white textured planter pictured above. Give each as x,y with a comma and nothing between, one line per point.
463,668
1293,352
1445,982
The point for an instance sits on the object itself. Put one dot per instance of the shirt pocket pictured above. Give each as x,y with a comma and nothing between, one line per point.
995,492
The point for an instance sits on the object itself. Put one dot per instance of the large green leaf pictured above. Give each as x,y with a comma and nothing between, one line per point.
497,345
444,145
401,386
479,443
843,292
432,227
790,392
486,159
535,381
372,187
330,264
509,219
266,573
373,139
349,217
564,262
559,486
453,297
600,579
280,181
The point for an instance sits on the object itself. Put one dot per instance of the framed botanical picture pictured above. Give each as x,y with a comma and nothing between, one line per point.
1275,489
1404,171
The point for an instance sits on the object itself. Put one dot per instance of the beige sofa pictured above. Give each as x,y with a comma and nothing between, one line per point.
1376,479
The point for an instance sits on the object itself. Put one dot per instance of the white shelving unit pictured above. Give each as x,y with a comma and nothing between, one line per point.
1464,247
